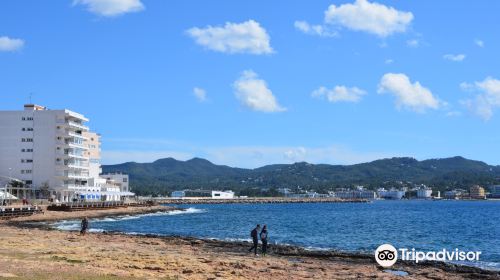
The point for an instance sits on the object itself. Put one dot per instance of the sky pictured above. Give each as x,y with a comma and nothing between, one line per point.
250,83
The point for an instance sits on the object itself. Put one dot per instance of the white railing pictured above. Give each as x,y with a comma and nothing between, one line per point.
78,125
72,134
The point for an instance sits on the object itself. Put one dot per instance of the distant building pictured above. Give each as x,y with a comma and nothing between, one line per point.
222,195
390,194
477,192
354,194
119,179
424,193
495,191
452,194
315,195
178,194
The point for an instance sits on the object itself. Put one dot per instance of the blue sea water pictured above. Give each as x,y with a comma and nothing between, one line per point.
353,227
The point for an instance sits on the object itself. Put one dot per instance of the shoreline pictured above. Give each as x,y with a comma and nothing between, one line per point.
258,200
286,255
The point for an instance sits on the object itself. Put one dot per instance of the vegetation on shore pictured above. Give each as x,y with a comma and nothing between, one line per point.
165,175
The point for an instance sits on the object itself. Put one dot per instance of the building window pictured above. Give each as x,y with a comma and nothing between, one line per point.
29,139
28,171
28,182
23,129
23,118
29,150
125,180
22,161
29,118
23,150
29,160
29,129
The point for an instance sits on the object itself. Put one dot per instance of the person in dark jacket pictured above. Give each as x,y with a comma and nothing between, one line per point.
263,237
85,226
255,238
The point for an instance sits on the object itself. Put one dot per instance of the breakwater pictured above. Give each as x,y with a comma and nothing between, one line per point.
263,200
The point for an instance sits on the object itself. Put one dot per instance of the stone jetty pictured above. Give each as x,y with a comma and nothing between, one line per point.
260,200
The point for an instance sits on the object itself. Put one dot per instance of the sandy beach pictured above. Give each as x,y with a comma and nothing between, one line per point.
28,251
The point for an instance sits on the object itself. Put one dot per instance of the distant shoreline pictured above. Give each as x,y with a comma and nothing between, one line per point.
258,200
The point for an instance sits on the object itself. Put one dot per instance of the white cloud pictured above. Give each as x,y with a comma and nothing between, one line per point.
414,43
110,8
339,94
253,93
454,57
245,37
200,94
121,156
295,154
389,61
453,114
486,100
257,156
9,44
412,96
148,150
369,17
479,43
319,30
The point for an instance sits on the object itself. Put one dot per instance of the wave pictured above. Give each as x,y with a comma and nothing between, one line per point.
71,225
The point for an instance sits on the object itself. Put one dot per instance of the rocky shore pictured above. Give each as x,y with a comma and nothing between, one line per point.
261,200
28,251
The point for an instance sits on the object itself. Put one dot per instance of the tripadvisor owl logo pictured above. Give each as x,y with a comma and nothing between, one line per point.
386,255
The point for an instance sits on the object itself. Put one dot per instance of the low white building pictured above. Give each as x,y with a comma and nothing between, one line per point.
424,193
119,179
222,194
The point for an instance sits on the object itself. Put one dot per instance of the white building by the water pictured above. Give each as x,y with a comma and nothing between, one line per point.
390,194
53,149
222,195
424,193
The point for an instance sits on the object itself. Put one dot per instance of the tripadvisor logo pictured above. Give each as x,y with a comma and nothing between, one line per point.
386,255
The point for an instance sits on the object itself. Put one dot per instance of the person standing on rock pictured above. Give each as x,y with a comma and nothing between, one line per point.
85,226
263,238
255,238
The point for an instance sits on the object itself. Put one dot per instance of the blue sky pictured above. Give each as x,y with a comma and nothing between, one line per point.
259,82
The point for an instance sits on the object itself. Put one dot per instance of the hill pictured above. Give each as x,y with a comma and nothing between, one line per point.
164,175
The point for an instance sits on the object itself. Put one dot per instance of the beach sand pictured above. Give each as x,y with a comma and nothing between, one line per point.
29,252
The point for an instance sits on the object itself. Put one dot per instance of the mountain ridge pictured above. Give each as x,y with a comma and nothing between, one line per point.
167,174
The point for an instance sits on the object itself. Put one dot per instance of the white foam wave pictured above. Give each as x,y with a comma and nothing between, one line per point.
69,225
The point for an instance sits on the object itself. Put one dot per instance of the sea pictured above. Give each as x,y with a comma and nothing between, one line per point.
350,227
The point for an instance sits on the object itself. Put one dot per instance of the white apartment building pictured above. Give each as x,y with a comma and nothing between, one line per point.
50,148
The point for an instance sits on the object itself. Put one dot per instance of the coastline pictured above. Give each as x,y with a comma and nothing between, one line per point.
125,256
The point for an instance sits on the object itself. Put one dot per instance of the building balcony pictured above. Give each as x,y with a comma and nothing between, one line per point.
65,175
76,135
76,156
78,125
72,125
71,165
72,144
